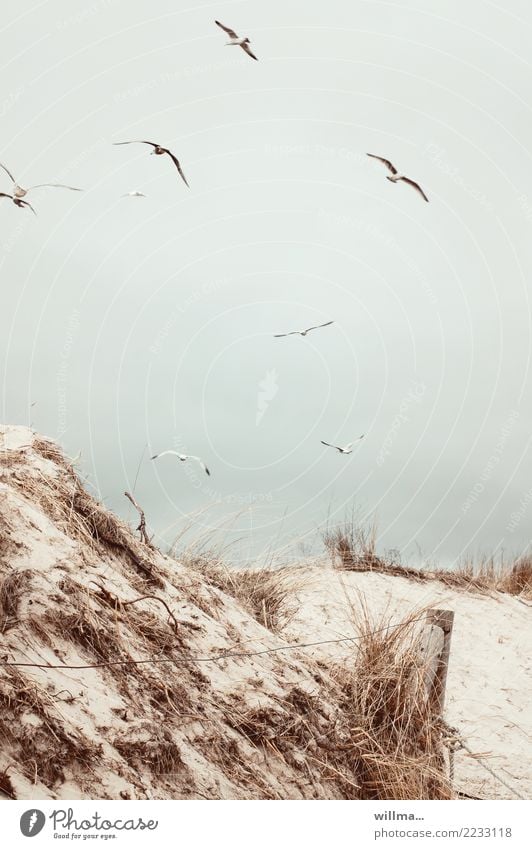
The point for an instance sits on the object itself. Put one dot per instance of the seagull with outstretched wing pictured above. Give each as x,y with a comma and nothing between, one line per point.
183,458
302,332
396,177
346,449
19,192
236,41
159,151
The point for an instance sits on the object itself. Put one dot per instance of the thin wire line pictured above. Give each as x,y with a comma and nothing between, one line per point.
213,659
216,658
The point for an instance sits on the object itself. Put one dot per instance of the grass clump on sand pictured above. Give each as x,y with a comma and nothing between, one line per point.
396,738
353,547
267,594
63,499
382,741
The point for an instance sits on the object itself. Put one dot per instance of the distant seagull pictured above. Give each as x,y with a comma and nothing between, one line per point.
134,195
302,332
19,192
183,457
347,449
18,202
158,151
396,177
236,41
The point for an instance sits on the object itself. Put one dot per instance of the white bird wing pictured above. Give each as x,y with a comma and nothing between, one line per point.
200,461
328,444
247,49
229,31
169,451
390,166
292,333
8,172
175,160
27,203
138,141
350,444
183,457
54,186
317,326
416,186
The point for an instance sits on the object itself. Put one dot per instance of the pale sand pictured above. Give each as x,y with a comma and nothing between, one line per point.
489,685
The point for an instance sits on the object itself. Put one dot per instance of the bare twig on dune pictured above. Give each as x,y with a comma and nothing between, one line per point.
141,527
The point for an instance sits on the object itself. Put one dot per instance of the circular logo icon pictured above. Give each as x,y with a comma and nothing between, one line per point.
32,822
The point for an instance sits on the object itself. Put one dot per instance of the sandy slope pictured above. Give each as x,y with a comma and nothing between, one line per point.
150,731
489,688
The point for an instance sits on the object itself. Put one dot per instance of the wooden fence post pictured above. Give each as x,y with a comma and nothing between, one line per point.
436,647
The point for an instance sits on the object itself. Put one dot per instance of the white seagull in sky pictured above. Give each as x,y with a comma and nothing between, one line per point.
19,192
134,194
347,449
18,201
236,41
302,332
183,457
158,151
396,177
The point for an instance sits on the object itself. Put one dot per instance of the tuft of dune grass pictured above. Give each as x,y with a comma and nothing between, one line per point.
395,737
267,594
353,547
61,496
382,739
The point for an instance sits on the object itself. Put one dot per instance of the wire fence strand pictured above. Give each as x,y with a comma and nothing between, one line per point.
458,739
213,658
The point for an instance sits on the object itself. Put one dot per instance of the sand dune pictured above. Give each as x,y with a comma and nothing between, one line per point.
78,589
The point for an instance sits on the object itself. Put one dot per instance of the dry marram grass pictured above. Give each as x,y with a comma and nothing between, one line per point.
353,547
267,594
66,502
396,737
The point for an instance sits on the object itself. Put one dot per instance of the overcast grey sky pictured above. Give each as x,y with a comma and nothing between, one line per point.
150,320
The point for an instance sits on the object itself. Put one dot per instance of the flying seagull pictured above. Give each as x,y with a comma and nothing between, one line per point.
18,201
183,457
236,41
19,192
302,332
158,151
347,449
134,194
396,177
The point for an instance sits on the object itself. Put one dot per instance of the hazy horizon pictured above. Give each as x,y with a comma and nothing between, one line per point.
134,325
